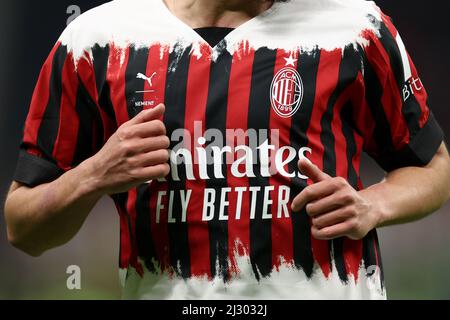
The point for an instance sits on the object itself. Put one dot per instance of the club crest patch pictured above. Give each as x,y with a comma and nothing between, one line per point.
286,92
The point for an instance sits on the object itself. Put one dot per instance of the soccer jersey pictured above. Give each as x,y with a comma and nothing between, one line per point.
323,80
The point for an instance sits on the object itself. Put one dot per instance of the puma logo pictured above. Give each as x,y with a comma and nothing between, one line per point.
148,79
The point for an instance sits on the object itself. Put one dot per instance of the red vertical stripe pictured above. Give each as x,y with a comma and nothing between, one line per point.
282,233
157,69
340,145
86,73
69,122
362,115
117,67
39,101
391,100
196,101
237,118
157,65
357,156
327,78
353,250
353,256
115,76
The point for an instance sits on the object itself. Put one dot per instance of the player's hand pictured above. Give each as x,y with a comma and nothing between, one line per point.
336,208
135,154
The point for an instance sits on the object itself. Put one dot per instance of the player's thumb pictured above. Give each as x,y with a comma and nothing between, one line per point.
149,115
310,170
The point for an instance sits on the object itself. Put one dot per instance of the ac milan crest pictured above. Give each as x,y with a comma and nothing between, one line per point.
286,92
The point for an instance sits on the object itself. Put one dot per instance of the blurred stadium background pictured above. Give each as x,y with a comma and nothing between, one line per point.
416,256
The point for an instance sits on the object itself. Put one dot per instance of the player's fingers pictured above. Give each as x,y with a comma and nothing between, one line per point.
331,232
147,129
310,170
151,144
327,204
148,115
332,218
146,174
152,158
312,193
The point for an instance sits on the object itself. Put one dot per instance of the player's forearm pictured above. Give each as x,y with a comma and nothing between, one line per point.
49,215
411,193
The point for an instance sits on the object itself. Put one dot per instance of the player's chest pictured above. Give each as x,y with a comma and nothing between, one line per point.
259,89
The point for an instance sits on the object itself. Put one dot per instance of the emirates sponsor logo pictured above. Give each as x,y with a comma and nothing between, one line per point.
214,155
242,152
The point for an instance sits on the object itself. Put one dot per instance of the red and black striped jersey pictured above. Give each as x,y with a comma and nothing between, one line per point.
326,80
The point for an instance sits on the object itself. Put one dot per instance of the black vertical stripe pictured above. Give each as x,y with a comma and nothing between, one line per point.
48,131
347,131
175,100
90,121
369,256
137,63
308,65
370,244
259,119
382,133
216,118
100,64
411,109
338,255
348,70
146,247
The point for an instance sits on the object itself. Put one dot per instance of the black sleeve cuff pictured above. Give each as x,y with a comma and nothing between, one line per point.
419,152
33,171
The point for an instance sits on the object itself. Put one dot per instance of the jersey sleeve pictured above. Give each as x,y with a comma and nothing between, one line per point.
61,129
398,128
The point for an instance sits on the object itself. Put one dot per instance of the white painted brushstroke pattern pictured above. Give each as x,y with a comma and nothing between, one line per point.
305,24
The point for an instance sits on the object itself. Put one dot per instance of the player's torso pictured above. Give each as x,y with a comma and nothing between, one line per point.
239,117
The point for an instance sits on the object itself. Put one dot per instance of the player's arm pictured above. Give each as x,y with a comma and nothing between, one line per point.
51,214
406,194
392,116
411,193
